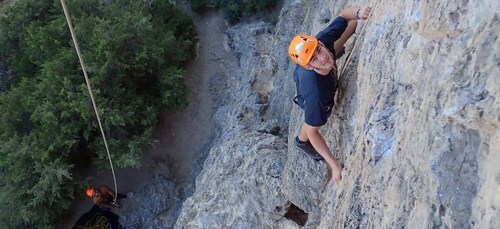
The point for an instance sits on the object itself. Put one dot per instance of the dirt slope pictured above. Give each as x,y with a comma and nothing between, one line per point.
181,137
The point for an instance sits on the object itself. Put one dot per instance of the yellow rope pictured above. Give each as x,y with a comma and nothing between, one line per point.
356,41
75,42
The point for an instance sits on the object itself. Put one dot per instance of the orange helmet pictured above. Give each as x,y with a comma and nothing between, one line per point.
302,48
90,191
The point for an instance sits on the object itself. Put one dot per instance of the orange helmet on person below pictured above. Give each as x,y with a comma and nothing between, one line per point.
90,191
302,48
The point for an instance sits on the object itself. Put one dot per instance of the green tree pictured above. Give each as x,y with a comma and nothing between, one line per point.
134,55
198,5
236,9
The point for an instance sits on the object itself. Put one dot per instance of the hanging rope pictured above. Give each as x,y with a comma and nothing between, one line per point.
346,63
87,81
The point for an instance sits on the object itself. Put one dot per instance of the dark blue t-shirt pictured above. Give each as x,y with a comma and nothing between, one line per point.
318,91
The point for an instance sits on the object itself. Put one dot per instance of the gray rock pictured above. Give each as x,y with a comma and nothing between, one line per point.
324,15
240,187
416,125
158,201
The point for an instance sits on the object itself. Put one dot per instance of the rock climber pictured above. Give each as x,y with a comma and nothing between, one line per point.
316,79
104,196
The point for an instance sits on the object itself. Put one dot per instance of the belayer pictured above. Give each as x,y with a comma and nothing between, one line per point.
104,196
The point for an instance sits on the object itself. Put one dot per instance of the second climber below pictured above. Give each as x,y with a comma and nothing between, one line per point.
104,196
316,80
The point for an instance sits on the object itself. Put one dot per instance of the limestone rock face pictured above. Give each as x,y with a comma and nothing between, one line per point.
156,205
416,125
247,190
241,184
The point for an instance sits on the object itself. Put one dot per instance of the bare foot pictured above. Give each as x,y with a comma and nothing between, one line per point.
337,173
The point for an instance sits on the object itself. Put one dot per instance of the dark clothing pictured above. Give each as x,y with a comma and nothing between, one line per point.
333,32
98,217
316,91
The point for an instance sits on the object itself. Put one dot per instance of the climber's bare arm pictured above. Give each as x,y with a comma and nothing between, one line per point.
352,13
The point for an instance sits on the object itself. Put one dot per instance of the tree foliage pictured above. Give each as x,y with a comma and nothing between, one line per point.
234,10
134,55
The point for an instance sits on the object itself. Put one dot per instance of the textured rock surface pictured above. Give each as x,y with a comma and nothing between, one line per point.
156,204
241,183
246,191
416,125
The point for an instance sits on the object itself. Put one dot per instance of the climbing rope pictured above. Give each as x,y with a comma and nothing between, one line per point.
346,63
87,81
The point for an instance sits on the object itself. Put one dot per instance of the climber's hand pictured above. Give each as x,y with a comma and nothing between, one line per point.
363,13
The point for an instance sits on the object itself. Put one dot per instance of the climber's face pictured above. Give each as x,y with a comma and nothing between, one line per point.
322,59
96,193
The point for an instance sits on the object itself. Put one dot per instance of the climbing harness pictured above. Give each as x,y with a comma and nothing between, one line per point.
356,41
87,81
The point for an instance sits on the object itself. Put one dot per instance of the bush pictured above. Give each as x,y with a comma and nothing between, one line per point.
236,9
198,5
134,56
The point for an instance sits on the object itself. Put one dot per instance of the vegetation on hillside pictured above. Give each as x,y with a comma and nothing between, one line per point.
234,10
134,54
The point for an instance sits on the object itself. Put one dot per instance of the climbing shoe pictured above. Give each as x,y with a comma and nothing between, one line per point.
307,148
130,194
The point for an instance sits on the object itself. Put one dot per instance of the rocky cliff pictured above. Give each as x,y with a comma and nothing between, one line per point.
416,125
